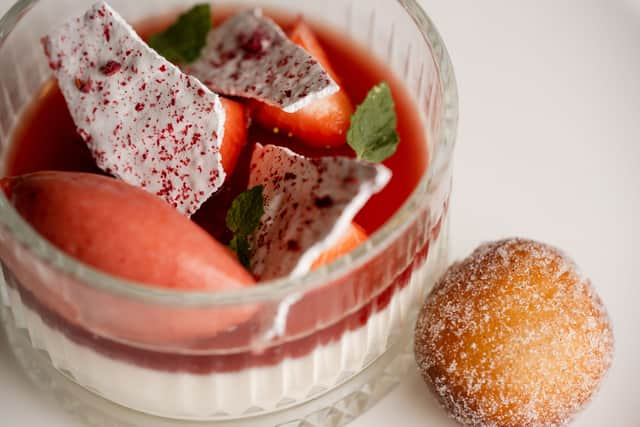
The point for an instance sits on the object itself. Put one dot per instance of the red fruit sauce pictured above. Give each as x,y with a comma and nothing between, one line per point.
47,140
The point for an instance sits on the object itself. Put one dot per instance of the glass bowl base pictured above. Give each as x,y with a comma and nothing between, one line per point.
334,408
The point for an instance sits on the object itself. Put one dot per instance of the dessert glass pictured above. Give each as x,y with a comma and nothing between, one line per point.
318,350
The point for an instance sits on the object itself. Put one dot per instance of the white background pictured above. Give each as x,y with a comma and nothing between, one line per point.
548,148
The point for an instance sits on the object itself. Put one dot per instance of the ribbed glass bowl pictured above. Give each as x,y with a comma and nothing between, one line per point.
320,349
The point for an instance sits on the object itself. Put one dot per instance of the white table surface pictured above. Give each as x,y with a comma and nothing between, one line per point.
548,148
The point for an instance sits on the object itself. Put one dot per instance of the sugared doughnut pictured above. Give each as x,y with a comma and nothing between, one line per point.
513,336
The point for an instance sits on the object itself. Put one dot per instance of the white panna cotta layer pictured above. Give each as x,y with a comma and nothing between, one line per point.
205,396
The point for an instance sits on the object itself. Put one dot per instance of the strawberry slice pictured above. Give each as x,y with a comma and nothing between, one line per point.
235,133
353,238
325,122
125,231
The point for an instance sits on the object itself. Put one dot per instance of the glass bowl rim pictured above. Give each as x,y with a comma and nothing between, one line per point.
277,288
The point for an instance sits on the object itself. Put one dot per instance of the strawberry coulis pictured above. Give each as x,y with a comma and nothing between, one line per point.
47,140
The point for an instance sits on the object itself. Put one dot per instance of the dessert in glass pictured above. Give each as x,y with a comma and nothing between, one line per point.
124,293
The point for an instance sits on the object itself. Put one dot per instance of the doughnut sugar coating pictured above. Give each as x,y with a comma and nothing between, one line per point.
513,336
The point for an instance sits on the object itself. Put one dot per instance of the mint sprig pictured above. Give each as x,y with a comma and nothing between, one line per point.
240,245
243,218
373,135
183,41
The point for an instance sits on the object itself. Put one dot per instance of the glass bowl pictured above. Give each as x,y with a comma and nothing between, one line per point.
317,350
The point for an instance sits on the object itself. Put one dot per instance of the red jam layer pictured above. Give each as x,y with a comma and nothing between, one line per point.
206,364
47,140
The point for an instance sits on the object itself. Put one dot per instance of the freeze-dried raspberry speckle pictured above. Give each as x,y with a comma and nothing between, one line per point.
307,207
140,116
323,202
83,86
256,42
293,245
110,68
251,57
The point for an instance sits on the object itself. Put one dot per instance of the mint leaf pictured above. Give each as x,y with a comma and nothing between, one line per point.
240,245
243,218
373,135
246,211
183,41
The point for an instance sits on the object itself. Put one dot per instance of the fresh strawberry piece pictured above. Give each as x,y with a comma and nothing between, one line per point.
325,122
235,133
353,238
127,232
